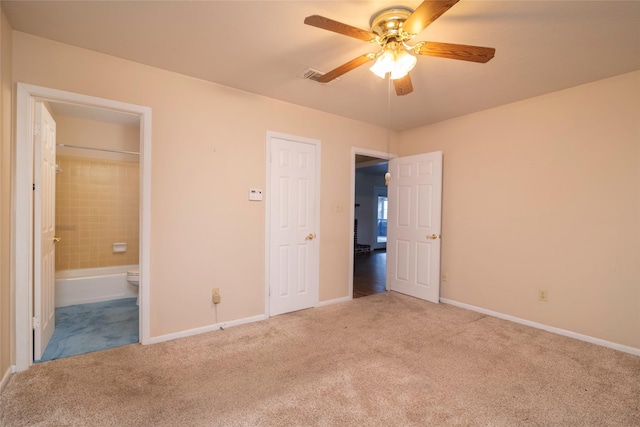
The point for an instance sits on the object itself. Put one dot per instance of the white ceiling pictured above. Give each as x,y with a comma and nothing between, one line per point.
261,47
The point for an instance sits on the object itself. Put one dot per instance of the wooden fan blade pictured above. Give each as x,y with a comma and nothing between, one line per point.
339,27
345,68
425,14
403,85
456,51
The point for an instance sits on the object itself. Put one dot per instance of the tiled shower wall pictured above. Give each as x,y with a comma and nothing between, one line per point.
96,206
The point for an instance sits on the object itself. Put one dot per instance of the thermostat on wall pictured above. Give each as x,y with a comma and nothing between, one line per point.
255,194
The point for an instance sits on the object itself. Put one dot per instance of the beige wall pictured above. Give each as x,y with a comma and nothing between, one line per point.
5,196
96,206
544,194
208,149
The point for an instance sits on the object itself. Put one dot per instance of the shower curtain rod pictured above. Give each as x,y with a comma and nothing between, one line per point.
98,149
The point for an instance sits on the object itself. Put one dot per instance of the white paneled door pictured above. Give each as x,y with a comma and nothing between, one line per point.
44,230
413,227
293,255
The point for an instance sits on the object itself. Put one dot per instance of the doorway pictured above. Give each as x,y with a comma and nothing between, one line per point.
97,223
414,223
23,232
369,260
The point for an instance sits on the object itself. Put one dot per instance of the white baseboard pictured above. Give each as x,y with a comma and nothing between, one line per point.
552,329
204,329
6,376
334,301
224,325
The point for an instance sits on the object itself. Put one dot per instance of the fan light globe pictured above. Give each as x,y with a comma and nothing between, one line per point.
384,64
403,64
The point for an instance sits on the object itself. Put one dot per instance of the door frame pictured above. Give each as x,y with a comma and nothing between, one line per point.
267,241
22,201
363,152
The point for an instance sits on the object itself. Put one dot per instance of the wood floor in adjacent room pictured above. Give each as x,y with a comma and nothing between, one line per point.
369,273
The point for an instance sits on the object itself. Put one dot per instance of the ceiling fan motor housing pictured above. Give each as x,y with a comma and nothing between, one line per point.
387,24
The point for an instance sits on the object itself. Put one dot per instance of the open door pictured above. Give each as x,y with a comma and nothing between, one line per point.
414,224
44,309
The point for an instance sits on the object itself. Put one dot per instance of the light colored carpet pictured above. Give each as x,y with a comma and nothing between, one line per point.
84,328
384,360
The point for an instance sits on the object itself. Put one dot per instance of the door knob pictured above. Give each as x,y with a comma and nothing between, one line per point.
310,236
56,239
432,237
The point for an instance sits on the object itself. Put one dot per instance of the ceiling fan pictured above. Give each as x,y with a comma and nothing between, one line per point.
391,28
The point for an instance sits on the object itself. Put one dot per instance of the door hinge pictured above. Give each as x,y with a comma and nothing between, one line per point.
36,129
34,187
36,322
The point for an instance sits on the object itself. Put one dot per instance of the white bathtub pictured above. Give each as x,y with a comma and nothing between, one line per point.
87,285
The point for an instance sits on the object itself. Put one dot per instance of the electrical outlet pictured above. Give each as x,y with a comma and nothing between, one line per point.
445,277
542,295
215,295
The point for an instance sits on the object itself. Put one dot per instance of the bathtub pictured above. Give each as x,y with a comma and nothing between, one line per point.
87,285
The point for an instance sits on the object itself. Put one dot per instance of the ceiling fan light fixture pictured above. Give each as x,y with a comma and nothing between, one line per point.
391,28
394,60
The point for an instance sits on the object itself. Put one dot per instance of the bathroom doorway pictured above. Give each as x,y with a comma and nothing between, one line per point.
97,228
25,261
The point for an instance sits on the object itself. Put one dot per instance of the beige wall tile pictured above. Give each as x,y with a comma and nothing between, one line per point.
96,206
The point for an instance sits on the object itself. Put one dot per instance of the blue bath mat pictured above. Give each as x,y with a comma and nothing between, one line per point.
85,328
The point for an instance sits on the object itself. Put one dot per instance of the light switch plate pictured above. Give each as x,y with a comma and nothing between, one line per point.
255,194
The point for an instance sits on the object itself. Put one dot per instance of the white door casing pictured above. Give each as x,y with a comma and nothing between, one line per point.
293,218
414,225
44,229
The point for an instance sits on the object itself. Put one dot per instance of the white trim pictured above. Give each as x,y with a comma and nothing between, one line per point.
6,376
267,241
335,301
552,329
21,234
144,291
205,329
21,228
363,152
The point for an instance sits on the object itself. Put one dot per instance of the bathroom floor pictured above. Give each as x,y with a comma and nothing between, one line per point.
85,328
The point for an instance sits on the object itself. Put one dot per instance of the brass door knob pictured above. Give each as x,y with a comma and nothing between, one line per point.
310,236
432,237
56,239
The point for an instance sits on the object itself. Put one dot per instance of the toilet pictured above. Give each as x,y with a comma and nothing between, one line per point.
133,277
